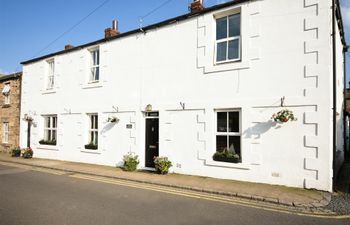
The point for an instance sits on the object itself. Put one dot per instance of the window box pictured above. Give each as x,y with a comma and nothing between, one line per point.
91,146
47,142
226,156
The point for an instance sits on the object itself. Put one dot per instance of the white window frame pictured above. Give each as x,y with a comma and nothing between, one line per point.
94,66
228,39
6,132
7,99
93,131
50,74
227,133
51,129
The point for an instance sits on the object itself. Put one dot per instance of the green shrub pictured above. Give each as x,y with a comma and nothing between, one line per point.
162,164
130,162
226,156
28,153
15,152
91,146
44,142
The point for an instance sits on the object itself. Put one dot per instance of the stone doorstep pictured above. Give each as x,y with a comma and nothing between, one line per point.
313,205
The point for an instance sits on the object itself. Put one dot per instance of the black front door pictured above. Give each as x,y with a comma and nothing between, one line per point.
152,140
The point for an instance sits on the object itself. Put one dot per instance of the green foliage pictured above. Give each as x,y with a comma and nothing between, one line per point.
44,142
91,146
162,164
27,153
15,152
130,162
284,116
226,156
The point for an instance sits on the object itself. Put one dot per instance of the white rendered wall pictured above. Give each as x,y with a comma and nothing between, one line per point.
286,52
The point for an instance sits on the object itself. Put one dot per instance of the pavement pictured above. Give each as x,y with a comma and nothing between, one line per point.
294,197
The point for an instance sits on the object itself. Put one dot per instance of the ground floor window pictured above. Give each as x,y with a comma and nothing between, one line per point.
5,128
228,136
50,130
93,132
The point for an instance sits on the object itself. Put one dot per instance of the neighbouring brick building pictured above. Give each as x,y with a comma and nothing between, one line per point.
10,87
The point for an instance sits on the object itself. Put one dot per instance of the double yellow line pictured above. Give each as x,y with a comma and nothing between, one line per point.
209,197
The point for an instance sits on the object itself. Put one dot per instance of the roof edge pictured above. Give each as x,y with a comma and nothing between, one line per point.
135,31
10,76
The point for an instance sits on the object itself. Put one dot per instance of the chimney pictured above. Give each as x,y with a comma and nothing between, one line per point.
196,6
66,47
111,32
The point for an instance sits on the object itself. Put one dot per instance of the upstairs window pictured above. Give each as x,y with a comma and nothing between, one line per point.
6,92
95,65
228,38
51,74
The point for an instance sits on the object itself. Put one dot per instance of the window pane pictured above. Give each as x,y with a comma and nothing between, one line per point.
233,49
221,28
97,75
96,122
233,122
97,57
91,122
222,121
235,144
47,122
234,25
96,137
48,135
54,135
54,122
221,51
221,143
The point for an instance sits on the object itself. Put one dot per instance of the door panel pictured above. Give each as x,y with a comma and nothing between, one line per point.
152,140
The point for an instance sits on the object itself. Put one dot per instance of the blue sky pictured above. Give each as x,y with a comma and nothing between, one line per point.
27,26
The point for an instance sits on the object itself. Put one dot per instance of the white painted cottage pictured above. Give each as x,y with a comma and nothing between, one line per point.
196,84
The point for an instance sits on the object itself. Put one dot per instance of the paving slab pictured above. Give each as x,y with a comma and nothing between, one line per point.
257,191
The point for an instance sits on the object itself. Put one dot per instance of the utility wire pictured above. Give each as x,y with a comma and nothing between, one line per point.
153,11
71,28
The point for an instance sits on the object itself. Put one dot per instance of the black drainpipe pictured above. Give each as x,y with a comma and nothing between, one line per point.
345,115
334,90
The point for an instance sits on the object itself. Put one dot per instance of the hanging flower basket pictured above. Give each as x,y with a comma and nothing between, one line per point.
283,116
113,119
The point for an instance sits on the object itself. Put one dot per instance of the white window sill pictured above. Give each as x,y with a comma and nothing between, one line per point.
210,162
97,152
48,91
48,147
97,84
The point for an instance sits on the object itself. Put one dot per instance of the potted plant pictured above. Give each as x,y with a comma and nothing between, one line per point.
162,164
113,119
15,152
226,156
27,153
91,146
47,142
130,162
284,116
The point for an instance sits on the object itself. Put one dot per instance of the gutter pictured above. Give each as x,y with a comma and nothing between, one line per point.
345,49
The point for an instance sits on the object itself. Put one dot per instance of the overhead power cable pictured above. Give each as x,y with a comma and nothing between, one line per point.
71,28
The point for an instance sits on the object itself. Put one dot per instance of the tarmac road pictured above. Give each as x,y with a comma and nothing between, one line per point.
29,197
